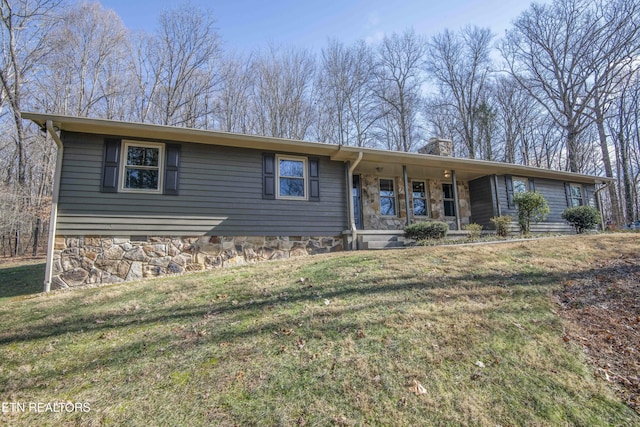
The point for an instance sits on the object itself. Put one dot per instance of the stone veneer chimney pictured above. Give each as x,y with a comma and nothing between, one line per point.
438,147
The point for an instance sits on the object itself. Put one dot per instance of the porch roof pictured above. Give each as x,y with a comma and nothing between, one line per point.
389,163
374,161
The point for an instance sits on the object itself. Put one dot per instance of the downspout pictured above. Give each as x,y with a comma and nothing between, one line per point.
352,215
455,199
600,207
406,193
48,273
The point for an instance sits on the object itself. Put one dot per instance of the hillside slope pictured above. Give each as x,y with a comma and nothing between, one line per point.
450,335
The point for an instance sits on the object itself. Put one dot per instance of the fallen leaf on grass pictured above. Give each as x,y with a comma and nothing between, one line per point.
341,421
418,388
301,343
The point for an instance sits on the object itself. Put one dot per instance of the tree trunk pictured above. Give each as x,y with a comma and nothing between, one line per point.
36,234
606,160
626,177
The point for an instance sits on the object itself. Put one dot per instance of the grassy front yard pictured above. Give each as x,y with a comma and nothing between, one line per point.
425,336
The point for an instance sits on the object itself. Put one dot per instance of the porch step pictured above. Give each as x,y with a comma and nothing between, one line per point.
381,244
381,239
387,239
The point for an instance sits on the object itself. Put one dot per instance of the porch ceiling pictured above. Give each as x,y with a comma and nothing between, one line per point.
414,171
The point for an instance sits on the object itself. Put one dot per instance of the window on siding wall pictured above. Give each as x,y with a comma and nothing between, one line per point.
292,177
419,197
575,191
387,197
142,166
448,200
520,184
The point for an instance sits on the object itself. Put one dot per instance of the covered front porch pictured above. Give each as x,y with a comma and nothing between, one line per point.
392,190
388,190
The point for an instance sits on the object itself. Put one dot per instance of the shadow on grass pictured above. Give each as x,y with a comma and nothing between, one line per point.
21,280
222,319
523,282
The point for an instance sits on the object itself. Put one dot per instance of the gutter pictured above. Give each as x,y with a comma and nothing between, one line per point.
352,215
48,273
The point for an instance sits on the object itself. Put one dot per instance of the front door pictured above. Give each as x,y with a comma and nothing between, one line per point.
357,202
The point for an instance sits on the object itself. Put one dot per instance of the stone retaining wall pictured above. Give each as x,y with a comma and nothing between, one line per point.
93,259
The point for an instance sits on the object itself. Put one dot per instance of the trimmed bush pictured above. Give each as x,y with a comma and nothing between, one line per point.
501,223
531,206
473,231
427,230
582,218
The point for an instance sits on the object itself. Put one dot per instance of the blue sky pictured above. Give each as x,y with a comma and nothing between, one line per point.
251,24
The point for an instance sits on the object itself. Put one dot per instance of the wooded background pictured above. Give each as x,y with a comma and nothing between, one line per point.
560,90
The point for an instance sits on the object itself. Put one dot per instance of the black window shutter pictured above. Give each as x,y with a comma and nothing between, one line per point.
171,169
268,176
314,179
532,185
111,160
567,193
509,184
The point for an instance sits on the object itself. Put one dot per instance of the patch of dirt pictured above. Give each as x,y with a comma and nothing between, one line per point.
602,309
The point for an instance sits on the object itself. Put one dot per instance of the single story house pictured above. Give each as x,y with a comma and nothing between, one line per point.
138,200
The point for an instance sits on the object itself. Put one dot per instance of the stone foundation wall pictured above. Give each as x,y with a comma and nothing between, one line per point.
93,259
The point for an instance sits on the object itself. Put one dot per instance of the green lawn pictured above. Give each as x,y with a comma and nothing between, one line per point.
21,279
422,336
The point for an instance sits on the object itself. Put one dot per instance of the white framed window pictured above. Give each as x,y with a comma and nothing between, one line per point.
520,184
292,177
142,167
387,197
576,195
419,198
448,200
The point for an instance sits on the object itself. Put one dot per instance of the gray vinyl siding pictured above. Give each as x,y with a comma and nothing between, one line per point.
483,204
554,193
220,193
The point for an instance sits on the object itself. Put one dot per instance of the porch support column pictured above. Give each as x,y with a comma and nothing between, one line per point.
406,194
350,206
455,199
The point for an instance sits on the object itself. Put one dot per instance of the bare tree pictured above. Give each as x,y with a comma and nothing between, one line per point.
86,68
282,99
231,104
346,92
459,64
565,52
176,69
516,111
399,77
23,26
622,124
